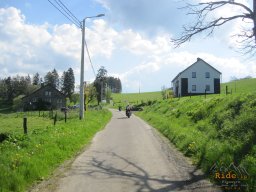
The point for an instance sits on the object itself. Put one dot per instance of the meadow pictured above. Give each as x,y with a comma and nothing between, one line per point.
29,158
135,98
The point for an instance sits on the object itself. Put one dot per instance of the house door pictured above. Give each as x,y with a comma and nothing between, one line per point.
184,86
216,86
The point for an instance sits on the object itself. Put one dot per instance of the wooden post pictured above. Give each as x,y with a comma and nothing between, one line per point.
65,116
39,113
205,93
55,119
25,125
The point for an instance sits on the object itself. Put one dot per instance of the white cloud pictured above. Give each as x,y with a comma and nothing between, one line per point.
151,61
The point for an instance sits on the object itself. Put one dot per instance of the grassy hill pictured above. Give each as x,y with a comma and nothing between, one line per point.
219,129
135,98
240,86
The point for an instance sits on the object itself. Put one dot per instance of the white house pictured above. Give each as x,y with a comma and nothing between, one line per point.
198,78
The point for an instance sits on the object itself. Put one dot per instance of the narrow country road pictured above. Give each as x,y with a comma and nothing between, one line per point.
130,156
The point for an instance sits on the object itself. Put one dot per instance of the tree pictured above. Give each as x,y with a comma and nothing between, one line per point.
100,83
52,78
36,79
9,89
114,84
90,94
204,10
68,82
108,94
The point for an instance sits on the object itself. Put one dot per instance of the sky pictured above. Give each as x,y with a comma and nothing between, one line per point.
132,41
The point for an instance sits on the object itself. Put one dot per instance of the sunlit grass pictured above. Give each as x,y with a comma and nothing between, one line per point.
26,159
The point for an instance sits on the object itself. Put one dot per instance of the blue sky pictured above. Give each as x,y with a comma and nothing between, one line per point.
132,41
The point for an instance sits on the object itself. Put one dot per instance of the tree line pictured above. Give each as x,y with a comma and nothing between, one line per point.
12,87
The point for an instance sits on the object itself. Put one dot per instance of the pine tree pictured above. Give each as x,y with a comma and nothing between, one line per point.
36,79
68,82
52,78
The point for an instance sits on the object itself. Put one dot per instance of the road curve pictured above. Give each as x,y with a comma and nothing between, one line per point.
130,156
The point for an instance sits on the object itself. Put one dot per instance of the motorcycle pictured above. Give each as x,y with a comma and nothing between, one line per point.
128,113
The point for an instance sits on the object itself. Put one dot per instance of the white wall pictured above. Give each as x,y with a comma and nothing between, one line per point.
200,81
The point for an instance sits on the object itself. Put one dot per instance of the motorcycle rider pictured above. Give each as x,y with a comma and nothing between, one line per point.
128,109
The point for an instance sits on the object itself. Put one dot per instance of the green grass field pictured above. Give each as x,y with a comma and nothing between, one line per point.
135,98
28,159
240,86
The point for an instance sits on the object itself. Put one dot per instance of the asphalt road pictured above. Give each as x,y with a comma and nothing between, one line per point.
130,156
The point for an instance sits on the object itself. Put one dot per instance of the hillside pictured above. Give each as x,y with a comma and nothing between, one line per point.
135,98
240,86
218,129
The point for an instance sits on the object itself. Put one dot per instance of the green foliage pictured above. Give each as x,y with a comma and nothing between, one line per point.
68,83
26,159
17,103
216,129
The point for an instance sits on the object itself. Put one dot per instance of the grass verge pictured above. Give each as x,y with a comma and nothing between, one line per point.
218,130
26,159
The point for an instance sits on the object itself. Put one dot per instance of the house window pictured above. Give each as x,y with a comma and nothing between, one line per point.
193,87
207,74
46,93
49,93
193,74
207,87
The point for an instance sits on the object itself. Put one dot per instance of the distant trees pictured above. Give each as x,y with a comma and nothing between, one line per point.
36,79
12,87
17,86
114,84
52,78
106,85
100,83
68,82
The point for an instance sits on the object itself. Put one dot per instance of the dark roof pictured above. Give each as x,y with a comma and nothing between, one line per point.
194,64
42,87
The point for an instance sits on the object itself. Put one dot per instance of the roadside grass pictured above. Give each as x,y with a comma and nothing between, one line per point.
28,159
218,129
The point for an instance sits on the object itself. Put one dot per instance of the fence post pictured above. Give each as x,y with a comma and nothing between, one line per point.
55,119
205,93
25,125
65,116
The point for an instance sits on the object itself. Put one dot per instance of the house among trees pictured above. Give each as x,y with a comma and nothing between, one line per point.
44,98
198,78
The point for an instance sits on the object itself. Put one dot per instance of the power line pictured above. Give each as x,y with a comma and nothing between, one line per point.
68,17
72,16
62,8
88,53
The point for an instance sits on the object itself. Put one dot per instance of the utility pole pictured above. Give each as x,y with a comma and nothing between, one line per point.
81,112
101,90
